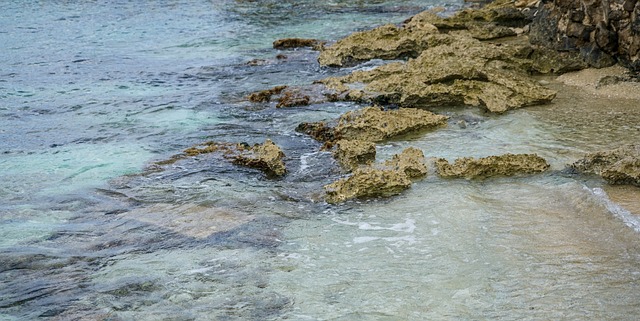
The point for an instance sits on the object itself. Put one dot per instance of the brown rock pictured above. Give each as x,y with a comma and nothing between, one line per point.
367,182
292,99
353,153
503,165
267,157
620,166
374,125
288,43
411,162
265,95
461,70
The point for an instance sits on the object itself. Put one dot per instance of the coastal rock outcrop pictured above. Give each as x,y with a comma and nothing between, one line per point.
267,157
379,180
620,166
374,124
366,182
502,165
495,20
411,162
603,32
460,71
353,153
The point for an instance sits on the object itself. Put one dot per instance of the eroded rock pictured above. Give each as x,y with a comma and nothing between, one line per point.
366,182
265,95
620,166
385,42
502,165
374,124
267,157
379,180
353,153
418,33
411,162
461,70
289,43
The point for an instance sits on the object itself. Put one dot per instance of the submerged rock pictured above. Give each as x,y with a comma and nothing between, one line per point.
353,153
367,182
502,165
620,166
289,43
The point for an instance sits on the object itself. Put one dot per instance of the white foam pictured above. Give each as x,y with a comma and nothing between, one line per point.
618,211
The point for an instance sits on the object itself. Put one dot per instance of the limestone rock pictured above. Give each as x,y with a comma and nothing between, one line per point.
366,182
494,20
411,162
353,153
288,43
265,95
461,70
267,157
379,180
618,166
374,125
385,42
502,165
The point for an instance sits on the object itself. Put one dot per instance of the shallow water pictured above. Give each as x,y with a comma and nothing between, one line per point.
93,93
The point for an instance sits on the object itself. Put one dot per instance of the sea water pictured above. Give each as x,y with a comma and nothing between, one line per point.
92,93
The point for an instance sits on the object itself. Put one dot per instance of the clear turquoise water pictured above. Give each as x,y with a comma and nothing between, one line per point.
93,92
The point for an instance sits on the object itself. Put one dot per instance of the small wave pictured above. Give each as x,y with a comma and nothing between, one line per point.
618,211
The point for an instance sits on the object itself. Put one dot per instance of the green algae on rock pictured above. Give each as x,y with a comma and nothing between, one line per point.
620,166
502,165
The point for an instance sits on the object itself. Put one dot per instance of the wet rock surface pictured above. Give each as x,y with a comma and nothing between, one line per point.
374,124
459,71
367,182
289,43
353,153
379,180
267,157
619,166
502,165
411,162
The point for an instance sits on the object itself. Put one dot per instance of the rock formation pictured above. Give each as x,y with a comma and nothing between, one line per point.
379,180
618,166
366,182
502,165
267,157
603,32
353,153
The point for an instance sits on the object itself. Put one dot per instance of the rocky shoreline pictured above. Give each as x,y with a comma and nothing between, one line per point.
484,57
